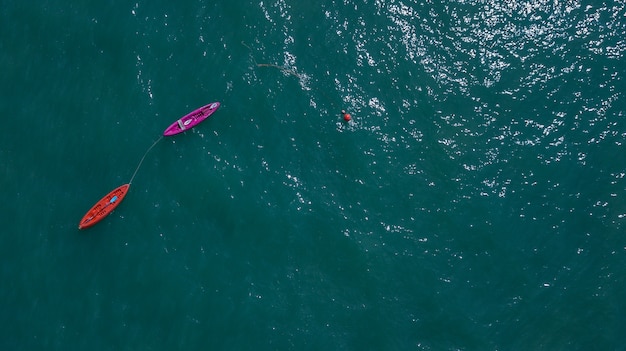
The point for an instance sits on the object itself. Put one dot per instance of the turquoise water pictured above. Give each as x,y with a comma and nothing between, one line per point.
476,201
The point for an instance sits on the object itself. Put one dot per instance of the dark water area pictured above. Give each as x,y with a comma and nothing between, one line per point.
475,201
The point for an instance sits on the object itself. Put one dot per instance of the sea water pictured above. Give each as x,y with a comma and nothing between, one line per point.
475,201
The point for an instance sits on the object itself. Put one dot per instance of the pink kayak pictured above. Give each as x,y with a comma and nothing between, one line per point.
191,119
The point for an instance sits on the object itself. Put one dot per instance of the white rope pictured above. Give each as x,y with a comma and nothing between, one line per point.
144,156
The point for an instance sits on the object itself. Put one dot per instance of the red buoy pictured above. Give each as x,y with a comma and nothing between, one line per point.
346,116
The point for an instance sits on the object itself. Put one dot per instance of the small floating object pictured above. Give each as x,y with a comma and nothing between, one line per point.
191,119
104,207
346,116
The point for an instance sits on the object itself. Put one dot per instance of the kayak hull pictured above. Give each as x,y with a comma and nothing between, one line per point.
104,206
191,119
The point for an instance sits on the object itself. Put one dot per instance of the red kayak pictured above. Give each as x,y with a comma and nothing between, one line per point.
191,119
103,207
